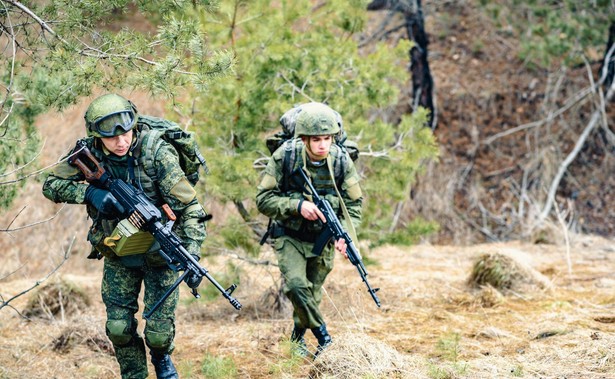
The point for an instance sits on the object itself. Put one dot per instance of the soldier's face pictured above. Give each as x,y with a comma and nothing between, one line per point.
118,145
318,146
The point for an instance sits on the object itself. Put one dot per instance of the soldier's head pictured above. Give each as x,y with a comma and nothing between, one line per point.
317,124
112,118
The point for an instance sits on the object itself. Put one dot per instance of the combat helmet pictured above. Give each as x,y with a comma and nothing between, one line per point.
110,115
316,119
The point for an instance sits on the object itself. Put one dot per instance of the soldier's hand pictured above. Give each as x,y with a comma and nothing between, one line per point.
310,211
106,204
340,245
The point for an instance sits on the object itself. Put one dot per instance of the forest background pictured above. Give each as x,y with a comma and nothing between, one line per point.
516,144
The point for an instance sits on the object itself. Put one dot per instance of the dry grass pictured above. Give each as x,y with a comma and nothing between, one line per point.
354,355
431,325
56,300
503,271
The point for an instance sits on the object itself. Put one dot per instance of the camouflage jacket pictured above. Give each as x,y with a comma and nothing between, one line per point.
280,204
66,184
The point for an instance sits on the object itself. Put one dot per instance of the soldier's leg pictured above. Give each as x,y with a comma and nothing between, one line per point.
120,293
292,264
160,328
318,268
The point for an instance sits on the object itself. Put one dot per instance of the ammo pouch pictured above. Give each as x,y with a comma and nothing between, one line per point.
126,239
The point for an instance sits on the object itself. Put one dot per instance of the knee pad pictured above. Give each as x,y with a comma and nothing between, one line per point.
159,334
120,332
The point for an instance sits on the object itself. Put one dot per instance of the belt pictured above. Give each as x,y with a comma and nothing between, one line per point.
301,236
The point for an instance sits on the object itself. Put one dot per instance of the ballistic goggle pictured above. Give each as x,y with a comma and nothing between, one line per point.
107,126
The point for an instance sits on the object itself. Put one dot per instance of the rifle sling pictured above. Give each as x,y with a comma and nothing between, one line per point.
351,230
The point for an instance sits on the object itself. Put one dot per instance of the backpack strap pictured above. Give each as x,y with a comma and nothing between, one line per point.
290,158
288,162
351,230
144,152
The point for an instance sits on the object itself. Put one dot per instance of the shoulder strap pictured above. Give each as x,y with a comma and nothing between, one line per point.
145,150
349,225
288,162
339,164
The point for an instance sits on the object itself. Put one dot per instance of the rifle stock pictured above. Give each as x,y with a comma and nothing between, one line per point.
146,216
334,229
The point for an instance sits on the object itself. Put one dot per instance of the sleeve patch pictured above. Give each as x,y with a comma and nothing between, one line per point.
354,191
268,182
183,191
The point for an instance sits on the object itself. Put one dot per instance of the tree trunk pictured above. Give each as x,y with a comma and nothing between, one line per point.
422,81
608,63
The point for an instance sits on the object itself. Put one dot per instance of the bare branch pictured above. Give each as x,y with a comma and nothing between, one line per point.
564,165
4,303
8,229
34,173
569,104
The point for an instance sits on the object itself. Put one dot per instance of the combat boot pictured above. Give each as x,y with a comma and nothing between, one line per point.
164,366
297,337
323,337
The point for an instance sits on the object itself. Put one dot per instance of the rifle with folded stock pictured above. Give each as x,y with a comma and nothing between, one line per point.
146,216
335,230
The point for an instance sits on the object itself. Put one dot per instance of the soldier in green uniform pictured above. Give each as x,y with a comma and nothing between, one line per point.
298,222
118,138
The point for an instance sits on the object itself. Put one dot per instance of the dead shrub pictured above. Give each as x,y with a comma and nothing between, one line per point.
358,356
92,337
59,298
504,272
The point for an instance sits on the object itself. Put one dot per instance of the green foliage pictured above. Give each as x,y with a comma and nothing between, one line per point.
218,367
237,235
51,65
235,67
410,234
19,144
292,53
290,363
554,31
447,348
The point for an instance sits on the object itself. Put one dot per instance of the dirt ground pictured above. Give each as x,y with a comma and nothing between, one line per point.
562,326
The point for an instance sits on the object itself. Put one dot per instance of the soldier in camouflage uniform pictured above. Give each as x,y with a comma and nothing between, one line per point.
116,137
298,221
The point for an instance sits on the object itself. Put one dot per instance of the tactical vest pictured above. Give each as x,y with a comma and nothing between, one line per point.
292,155
321,180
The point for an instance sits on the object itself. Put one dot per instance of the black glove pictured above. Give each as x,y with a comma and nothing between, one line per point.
106,204
193,280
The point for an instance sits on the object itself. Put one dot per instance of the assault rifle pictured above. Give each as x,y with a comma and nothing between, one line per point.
335,230
146,216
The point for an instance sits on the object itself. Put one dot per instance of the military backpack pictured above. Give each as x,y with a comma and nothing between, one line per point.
286,139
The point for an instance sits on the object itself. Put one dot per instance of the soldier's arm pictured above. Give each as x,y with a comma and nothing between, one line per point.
352,194
65,184
270,200
179,194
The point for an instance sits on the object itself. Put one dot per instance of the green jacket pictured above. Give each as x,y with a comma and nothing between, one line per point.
66,184
280,204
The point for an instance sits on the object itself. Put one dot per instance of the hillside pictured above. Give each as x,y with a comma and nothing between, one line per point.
431,322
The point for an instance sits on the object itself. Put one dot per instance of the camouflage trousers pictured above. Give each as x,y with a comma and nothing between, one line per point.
304,275
120,292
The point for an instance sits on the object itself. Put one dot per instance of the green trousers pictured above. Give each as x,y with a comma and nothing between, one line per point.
121,286
304,275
